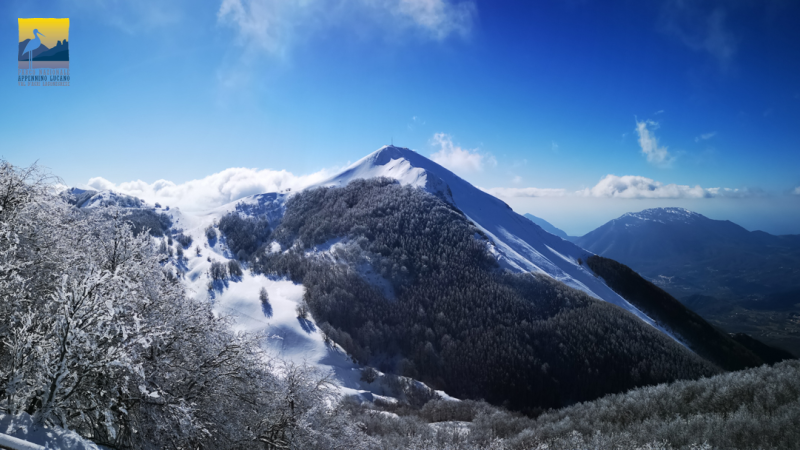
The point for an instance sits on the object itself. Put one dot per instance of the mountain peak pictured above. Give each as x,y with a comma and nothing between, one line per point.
664,215
394,150
518,244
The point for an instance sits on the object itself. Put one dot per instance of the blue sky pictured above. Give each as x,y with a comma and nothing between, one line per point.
575,110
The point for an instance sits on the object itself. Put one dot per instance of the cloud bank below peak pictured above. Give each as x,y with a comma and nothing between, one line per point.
629,187
214,190
632,186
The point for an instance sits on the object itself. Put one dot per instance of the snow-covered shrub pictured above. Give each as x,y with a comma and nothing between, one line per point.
302,309
368,374
263,296
211,234
184,240
234,269
218,272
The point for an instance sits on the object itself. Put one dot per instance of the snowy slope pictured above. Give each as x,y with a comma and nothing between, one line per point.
25,434
519,244
286,336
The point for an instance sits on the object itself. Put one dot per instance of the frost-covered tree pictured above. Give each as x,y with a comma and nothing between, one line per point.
218,272
234,269
302,309
97,338
211,234
263,296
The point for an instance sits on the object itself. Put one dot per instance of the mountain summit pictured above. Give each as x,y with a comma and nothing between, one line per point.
518,244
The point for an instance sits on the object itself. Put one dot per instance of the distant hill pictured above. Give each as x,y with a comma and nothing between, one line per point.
687,253
547,226
741,281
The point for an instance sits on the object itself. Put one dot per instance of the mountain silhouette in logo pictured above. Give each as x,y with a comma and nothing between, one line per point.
58,53
41,49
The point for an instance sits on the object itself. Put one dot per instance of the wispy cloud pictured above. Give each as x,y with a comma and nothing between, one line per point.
705,136
701,27
457,159
214,190
796,191
271,26
656,155
264,25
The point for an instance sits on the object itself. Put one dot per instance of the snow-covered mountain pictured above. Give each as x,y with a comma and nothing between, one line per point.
87,198
518,244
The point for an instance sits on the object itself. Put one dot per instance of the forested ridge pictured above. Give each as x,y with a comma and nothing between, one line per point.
713,345
750,409
458,322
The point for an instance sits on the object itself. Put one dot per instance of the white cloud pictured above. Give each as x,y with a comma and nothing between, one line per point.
517,179
796,191
458,159
656,155
554,146
526,192
271,26
631,186
705,136
213,190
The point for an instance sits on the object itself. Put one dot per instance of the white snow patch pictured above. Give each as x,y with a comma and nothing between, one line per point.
22,427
